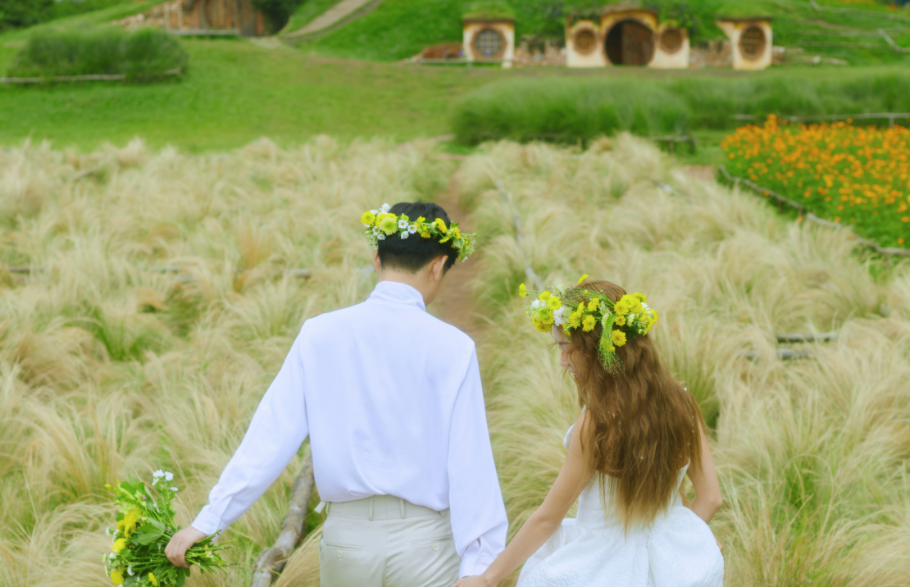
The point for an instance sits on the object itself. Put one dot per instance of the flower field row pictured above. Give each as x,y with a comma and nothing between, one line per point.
844,173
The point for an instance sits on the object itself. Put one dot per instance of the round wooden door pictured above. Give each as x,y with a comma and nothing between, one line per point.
630,43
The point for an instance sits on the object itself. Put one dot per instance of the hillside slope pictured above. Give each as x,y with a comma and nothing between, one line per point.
398,29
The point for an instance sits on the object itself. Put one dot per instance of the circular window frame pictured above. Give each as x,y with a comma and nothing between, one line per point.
478,54
667,47
761,48
594,40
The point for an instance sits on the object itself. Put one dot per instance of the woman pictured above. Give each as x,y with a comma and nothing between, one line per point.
640,432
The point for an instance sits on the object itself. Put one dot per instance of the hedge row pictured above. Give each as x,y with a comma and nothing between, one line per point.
567,110
143,55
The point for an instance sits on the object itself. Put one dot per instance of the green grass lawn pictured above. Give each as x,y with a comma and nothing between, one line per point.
235,92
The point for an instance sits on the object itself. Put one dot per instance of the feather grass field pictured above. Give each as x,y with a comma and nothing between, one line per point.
812,455
113,362
162,298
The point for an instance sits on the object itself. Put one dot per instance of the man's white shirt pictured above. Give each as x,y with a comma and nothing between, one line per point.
392,402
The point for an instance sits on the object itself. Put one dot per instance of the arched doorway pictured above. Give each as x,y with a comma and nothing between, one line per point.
630,43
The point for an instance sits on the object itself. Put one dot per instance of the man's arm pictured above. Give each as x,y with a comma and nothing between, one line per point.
276,432
479,522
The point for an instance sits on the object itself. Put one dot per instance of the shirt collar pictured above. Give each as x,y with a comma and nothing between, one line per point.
401,293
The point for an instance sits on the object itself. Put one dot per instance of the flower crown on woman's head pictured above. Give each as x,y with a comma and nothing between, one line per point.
381,224
585,308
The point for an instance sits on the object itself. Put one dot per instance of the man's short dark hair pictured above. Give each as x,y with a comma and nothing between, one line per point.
414,253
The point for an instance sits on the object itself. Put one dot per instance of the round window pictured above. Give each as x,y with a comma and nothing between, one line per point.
584,41
489,44
671,40
752,43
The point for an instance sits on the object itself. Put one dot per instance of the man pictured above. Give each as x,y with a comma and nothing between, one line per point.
392,402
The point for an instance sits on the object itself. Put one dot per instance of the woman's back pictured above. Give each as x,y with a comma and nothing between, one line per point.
676,550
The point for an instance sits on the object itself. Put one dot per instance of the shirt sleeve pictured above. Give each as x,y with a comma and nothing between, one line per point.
479,522
276,432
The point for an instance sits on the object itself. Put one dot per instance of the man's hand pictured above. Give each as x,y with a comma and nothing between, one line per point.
180,543
473,581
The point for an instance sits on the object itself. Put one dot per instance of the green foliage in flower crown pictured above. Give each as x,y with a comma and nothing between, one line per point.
145,524
381,224
582,308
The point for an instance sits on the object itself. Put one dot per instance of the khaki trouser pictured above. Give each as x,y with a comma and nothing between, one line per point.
385,541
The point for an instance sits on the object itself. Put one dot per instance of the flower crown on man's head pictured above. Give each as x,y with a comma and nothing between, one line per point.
381,224
585,308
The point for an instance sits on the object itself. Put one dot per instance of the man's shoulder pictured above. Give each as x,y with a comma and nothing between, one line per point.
449,333
361,316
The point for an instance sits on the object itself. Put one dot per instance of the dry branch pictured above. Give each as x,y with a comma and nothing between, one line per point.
809,337
272,560
812,217
783,354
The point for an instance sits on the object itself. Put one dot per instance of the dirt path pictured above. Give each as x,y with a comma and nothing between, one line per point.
455,303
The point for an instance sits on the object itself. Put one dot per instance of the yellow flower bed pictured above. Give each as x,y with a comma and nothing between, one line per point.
844,173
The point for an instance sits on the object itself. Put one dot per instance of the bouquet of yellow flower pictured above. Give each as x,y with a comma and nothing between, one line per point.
145,524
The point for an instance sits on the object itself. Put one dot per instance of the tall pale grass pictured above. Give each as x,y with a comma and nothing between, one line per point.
110,368
812,455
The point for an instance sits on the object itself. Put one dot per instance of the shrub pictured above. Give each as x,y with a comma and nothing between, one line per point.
143,55
567,110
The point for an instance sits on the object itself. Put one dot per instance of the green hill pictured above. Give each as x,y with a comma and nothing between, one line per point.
398,29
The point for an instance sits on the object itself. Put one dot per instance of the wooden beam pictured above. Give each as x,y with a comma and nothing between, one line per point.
272,560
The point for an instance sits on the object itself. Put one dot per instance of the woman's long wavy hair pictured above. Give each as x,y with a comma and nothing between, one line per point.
642,425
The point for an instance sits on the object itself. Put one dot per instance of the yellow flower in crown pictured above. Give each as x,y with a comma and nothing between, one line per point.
622,307
388,224
574,321
153,580
382,224
652,321
118,545
619,337
117,577
546,315
522,291
621,321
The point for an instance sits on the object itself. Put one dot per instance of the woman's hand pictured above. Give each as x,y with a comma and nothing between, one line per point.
473,581
180,543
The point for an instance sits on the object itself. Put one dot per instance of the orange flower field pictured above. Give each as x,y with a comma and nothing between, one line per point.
848,174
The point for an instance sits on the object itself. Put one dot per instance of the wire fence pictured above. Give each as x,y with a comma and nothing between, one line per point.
809,216
889,116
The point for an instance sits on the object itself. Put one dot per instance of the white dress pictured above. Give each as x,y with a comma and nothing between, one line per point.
677,550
